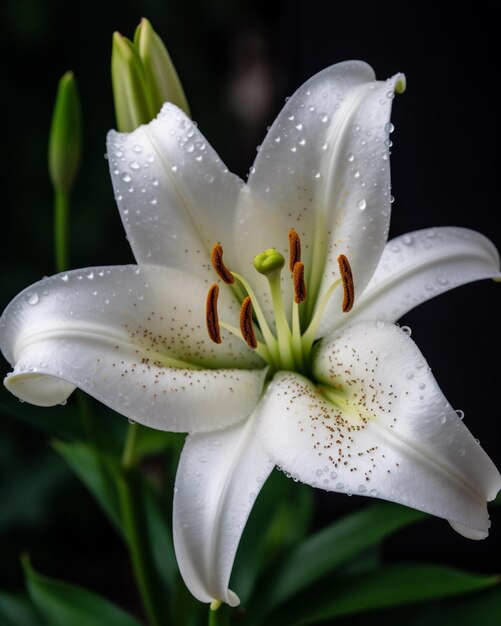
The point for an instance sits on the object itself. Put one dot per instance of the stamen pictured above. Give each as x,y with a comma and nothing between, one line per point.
294,249
211,316
246,327
348,285
218,264
298,281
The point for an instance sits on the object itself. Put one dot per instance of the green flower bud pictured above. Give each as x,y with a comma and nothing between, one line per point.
65,139
269,261
133,103
161,76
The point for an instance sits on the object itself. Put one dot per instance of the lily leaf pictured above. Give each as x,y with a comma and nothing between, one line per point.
63,604
17,610
268,530
98,472
335,546
393,585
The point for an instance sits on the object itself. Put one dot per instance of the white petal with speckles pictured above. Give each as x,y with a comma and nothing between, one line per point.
130,337
421,265
391,434
218,479
323,169
176,197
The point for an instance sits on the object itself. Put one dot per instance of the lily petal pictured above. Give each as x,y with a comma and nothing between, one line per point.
134,338
176,197
390,434
323,169
218,479
421,265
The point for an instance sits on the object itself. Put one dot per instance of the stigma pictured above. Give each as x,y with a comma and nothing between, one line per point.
288,346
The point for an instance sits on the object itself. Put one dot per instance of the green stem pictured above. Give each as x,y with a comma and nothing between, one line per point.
219,617
61,214
132,506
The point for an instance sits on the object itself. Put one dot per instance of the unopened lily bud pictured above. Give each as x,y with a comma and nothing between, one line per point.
65,139
162,80
133,104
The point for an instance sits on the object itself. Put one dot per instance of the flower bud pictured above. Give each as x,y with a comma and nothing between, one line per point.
65,139
133,106
162,80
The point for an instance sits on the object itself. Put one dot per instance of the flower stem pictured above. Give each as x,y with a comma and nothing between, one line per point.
219,617
61,213
134,524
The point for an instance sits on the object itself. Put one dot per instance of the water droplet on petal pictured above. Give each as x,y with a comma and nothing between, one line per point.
460,413
406,330
362,204
389,128
32,297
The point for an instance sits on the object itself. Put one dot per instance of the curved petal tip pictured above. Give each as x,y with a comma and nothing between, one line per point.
469,533
400,83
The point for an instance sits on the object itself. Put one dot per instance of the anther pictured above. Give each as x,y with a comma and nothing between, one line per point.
298,281
348,285
211,316
246,327
218,264
294,249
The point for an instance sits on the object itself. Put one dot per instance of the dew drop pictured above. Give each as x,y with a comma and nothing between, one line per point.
351,158
410,375
65,278
209,178
324,119
137,148
362,204
319,472
419,364
134,165
407,330
126,178
356,174
362,488
373,492
460,413
461,451
339,486
299,126
407,240
442,280
32,297
131,421
422,386
389,128
174,168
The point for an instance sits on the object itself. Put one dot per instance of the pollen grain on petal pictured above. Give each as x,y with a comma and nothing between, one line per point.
246,327
299,284
348,285
294,249
218,264
211,314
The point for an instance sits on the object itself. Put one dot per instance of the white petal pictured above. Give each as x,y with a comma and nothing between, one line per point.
130,337
175,196
420,265
323,169
397,438
218,479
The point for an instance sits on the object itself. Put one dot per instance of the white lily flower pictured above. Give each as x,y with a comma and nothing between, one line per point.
343,401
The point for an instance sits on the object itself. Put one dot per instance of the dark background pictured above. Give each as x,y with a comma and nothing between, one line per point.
445,171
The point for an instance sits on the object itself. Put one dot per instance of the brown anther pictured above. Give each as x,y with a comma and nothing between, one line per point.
211,314
294,249
348,285
218,264
298,281
246,327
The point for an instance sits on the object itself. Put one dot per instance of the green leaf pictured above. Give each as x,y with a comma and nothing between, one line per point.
17,610
393,585
63,604
335,546
98,472
269,531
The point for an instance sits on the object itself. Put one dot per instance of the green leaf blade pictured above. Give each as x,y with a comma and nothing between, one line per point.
63,604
